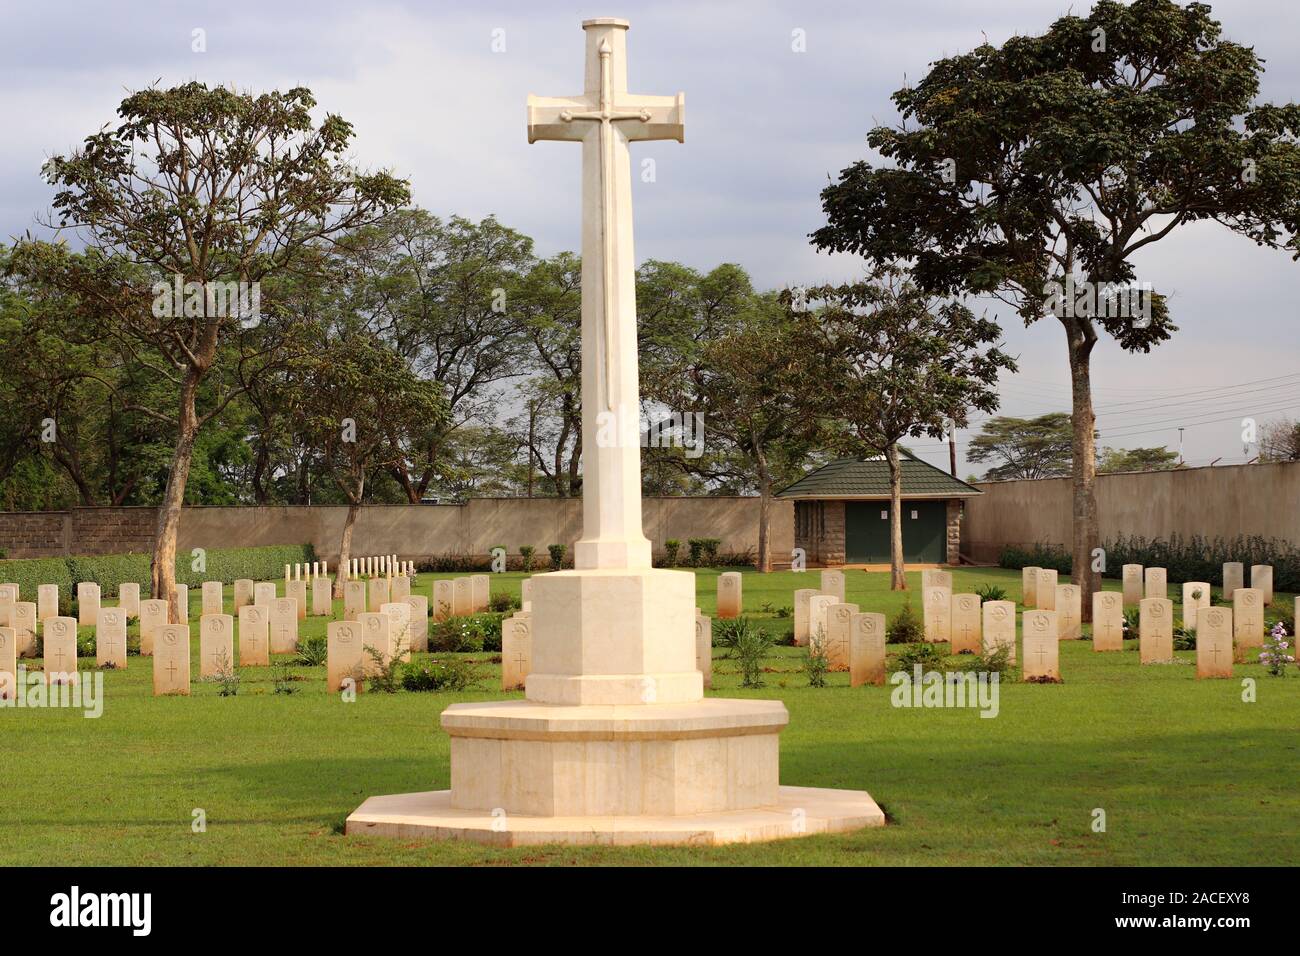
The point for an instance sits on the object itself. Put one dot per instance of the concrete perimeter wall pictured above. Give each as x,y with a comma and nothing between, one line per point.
414,532
1212,502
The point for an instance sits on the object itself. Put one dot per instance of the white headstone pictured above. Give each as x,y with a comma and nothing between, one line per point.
1107,621
833,584
1156,630
216,645
1261,579
999,627
867,650
1042,657
110,637
87,602
254,636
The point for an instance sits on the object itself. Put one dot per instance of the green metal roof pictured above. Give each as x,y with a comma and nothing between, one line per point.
869,478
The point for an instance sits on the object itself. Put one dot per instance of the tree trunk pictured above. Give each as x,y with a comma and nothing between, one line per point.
261,464
304,480
1086,534
575,460
345,546
71,463
764,517
561,490
163,570
897,582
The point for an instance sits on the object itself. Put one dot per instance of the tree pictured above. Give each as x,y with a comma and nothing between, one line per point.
357,401
1037,170
1136,459
745,372
895,362
1280,440
206,192
550,301
1026,447
444,294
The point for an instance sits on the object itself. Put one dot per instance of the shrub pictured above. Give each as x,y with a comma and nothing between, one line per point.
283,677
30,573
386,674
112,570
1185,559
995,661
502,601
906,627
696,549
468,634
226,679
1132,623
558,552
1276,655
927,655
816,664
671,547
749,645
456,564
526,552
453,674
991,592
1040,555
313,651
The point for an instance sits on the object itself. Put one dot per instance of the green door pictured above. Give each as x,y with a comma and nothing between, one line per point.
866,532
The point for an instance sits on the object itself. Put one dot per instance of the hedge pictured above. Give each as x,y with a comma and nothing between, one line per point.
1185,559
112,570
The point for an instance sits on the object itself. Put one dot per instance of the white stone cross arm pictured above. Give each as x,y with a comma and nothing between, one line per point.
560,117
605,99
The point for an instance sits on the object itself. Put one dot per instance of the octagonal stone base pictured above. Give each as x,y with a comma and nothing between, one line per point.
796,811
615,637
518,757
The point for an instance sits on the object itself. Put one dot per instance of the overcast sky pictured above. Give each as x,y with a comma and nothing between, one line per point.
766,126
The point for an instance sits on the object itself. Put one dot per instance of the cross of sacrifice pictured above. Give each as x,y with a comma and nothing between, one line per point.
603,104
605,119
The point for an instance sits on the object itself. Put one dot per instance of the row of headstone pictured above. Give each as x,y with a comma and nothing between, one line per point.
316,569
1261,579
832,587
460,596
358,648
384,565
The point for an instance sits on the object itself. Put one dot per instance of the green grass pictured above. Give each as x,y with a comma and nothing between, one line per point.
1186,772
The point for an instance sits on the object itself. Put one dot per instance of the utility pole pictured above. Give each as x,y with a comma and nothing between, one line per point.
952,450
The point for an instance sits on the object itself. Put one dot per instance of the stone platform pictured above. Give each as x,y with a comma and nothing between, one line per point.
704,772
798,811
522,757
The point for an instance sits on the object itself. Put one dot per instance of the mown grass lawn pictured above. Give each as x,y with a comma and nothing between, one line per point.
1185,771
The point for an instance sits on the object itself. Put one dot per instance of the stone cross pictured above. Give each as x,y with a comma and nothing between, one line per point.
605,118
